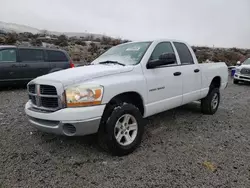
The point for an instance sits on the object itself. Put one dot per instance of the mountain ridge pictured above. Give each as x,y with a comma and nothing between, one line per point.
20,28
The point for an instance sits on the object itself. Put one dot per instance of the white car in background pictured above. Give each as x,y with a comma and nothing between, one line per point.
242,72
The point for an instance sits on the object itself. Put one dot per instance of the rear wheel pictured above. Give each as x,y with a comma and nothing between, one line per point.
210,103
236,81
123,130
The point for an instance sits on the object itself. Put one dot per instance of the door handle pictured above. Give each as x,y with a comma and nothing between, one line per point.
177,73
24,65
196,70
13,65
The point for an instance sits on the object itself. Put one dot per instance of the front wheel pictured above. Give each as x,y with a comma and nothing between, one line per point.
236,81
123,130
210,103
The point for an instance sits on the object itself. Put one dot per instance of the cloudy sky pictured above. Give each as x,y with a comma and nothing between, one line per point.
224,23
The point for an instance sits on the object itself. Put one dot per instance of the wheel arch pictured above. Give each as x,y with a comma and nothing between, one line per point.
215,83
126,97
132,97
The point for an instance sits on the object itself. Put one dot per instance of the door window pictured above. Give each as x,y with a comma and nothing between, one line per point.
8,55
163,47
56,56
34,55
184,53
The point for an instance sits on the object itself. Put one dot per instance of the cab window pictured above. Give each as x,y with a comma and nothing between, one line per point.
8,55
161,48
184,53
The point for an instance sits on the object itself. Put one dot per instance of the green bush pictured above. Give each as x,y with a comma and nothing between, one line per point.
11,38
36,42
62,40
80,42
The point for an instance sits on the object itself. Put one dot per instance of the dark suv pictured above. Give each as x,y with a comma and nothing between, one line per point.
22,64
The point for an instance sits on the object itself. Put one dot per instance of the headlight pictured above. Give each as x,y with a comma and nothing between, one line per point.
83,95
237,71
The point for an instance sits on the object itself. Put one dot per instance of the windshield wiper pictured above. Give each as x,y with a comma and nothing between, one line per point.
113,62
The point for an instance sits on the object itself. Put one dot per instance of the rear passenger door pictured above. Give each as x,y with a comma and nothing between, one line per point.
9,67
191,74
32,63
58,60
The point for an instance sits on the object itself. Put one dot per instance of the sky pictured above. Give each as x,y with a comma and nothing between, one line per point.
222,23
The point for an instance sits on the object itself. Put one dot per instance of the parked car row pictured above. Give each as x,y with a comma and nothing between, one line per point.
22,64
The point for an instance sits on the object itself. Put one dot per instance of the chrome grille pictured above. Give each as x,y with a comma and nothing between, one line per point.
49,102
44,97
245,71
32,88
33,99
47,90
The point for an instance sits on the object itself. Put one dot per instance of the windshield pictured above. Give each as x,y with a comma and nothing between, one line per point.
128,54
247,62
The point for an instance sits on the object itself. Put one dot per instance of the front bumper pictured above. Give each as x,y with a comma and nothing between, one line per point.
67,121
241,77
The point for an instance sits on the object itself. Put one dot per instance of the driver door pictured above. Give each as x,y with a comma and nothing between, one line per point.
164,82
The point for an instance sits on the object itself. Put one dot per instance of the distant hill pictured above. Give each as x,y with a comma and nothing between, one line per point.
12,27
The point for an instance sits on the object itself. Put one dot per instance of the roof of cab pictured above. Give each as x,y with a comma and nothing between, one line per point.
32,47
158,41
7,46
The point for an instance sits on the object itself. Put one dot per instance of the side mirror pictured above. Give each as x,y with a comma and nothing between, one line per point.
164,59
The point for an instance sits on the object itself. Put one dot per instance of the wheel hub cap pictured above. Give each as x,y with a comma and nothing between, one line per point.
215,101
125,130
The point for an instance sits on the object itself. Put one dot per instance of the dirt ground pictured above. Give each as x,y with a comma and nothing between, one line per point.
180,148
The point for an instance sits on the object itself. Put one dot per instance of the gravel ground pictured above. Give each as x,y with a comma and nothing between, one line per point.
181,148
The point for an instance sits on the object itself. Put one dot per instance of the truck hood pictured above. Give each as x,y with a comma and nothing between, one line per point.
80,74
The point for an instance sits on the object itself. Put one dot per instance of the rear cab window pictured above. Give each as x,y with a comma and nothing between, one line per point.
7,55
56,56
31,55
184,53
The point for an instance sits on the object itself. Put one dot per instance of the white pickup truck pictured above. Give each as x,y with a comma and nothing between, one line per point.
127,83
242,72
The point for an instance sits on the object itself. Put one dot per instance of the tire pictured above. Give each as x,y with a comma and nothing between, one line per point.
115,126
210,103
236,81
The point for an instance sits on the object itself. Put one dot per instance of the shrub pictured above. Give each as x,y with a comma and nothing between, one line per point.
2,40
93,48
97,40
11,39
80,42
62,40
36,42
106,40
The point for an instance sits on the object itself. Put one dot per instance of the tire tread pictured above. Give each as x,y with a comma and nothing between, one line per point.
206,107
